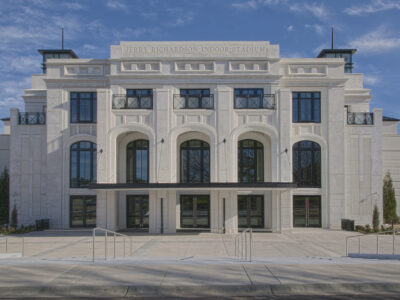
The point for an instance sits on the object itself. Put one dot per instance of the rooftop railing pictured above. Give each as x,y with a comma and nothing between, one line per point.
193,101
32,118
360,118
266,101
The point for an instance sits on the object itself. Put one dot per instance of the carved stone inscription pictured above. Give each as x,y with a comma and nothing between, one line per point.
195,51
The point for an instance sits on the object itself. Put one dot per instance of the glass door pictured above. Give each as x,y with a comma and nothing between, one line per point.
137,211
307,211
195,211
83,211
251,211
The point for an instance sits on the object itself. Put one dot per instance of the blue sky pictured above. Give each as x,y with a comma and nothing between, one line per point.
301,28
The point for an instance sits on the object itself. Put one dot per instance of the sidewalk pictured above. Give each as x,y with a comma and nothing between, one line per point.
201,265
200,277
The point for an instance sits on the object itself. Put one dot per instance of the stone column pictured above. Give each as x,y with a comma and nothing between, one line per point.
231,210
107,210
216,217
169,209
334,203
154,213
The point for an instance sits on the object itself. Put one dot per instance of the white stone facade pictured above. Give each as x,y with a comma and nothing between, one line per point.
351,155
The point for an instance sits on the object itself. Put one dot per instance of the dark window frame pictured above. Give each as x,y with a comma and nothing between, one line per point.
297,98
93,163
93,112
257,146
248,201
143,196
316,175
136,93
307,210
133,148
186,93
204,146
84,197
195,217
241,93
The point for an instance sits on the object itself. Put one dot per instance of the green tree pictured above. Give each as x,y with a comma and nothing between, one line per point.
4,197
14,217
389,201
375,219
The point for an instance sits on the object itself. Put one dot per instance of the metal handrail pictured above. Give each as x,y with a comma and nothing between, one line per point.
115,234
359,236
14,237
241,245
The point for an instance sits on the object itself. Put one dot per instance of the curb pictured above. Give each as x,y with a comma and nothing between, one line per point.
200,291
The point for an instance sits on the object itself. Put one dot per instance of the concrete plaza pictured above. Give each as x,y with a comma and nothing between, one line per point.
305,262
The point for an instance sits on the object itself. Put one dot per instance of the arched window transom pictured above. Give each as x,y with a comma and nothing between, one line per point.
307,164
137,162
250,161
195,161
83,164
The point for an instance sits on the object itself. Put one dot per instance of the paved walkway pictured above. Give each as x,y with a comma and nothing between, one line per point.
306,262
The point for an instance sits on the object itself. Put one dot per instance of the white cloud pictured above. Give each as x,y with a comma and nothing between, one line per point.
372,7
182,20
73,5
318,49
371,80
375,41
316,9
255,4
11,92
116,4
127,34
319,29
290,28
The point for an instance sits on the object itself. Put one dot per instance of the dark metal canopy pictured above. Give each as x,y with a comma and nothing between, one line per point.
326,51
58,51
194,186
389,119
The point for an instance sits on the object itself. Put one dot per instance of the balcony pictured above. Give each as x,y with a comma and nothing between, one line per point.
132,102
32,118
266,101
193,101
360,118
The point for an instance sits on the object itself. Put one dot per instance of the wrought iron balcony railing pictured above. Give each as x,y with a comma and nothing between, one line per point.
132,102
193,101
32,118
266,101
360,118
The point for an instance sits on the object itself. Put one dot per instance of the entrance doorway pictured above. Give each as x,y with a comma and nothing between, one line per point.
251,211
137,208
306,211
83,211
195,211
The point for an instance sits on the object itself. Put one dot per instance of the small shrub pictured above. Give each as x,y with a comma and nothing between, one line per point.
368,228
360,228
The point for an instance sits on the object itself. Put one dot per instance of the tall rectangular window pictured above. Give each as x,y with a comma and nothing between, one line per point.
83,107
306,107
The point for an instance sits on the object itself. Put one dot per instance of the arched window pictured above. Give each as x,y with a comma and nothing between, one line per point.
137,162
195,161
250,161
307,164
82,164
